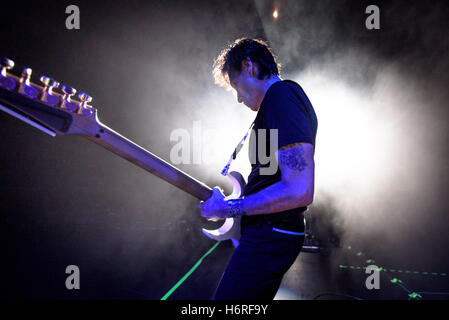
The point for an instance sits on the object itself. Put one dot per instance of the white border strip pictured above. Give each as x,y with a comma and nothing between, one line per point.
288,232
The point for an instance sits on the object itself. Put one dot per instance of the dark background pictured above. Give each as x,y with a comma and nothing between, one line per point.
147,65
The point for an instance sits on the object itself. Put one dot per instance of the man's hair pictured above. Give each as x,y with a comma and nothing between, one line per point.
230,60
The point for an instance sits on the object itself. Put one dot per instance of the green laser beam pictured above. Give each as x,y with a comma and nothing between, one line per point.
189,272
396,281
411,295
443,274
414,295
360,253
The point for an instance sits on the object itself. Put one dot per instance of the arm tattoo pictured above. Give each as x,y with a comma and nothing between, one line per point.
293,158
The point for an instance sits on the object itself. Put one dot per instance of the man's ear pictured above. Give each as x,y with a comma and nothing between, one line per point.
250,67
247,66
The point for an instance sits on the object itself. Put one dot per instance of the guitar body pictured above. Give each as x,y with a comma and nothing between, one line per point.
230,230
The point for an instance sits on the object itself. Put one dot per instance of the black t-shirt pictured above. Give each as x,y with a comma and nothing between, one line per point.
285,107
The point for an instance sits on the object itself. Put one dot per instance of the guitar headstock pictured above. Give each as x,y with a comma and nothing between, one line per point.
49,106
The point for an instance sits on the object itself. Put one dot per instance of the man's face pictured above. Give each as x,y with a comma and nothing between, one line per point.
246,85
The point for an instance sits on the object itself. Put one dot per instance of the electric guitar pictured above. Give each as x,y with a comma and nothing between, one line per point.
58,113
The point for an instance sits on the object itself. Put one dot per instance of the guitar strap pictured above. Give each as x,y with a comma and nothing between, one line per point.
225,170
275,219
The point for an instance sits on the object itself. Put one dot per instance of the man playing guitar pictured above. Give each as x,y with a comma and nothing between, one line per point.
271,206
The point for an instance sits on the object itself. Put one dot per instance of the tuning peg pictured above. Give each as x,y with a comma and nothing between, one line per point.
66,101
49,82
8,83
26,76
45,80
25,87
84,97
68,91
85,108
5,64
47,93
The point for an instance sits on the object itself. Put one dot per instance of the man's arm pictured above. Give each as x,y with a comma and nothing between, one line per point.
296,187
294,190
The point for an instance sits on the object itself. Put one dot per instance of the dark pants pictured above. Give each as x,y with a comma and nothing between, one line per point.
258,264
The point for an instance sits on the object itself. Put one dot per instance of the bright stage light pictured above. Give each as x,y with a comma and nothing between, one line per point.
218,126
275,14
355,140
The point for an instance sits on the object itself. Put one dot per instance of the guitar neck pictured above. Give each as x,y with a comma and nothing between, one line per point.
55,113
121,146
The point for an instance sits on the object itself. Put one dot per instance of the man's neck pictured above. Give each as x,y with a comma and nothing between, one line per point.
267,83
